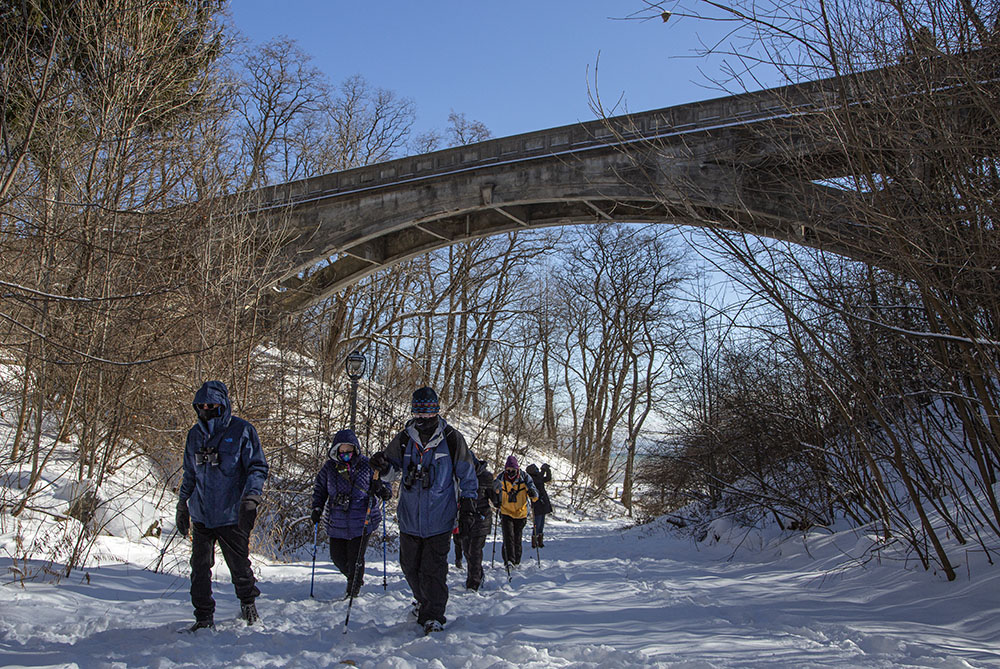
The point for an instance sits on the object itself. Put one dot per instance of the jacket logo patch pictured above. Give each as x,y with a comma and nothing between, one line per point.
228,440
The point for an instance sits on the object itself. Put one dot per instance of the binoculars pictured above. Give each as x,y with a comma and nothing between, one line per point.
207,458
414,474
512,496
342,500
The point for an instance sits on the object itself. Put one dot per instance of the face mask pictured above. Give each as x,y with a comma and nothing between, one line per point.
345,457
208,414
425,424
511,473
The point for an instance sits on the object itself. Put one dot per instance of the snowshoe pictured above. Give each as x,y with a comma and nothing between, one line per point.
248,612
432,626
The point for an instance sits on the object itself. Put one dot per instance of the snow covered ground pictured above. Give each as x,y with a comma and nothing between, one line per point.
602,597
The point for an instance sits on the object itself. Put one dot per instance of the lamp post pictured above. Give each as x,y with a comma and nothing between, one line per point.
355,366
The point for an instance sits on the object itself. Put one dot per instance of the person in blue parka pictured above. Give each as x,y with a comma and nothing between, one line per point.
224,474
346,486
437,471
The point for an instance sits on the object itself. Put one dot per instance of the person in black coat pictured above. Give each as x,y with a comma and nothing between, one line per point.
542,506
474,539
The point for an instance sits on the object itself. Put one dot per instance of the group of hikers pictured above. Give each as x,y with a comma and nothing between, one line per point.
440,482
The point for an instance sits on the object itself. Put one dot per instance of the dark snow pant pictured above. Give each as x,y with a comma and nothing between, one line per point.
459,541
235,547
425,565
512,530
473,549
349,554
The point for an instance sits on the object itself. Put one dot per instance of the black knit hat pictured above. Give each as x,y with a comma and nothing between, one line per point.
425,401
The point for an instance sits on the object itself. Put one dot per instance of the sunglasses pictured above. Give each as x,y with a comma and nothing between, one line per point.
207,406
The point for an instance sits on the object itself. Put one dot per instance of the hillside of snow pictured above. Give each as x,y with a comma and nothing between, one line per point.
600,594
601,597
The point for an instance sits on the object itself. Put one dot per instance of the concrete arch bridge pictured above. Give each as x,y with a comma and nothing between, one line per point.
738,163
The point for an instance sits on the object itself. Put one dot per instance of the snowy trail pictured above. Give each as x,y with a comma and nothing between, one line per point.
602,598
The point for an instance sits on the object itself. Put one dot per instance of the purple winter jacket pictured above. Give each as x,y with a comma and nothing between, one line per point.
335,485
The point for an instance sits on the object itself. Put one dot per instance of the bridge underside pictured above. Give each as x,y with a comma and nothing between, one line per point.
352,263
368,232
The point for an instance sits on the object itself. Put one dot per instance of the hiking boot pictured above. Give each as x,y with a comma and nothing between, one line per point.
432,626
249,613
534,541
415,609
541,544
206,624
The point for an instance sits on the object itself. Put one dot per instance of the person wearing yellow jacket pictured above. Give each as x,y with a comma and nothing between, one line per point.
513,488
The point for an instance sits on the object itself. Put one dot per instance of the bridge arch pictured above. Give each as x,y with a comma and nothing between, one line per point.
726,163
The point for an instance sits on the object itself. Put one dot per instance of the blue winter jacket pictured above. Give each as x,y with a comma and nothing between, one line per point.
351,484
429,506
213,491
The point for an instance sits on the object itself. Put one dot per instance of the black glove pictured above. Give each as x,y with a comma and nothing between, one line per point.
383,491
316,514
248,513
182,519
379,463
467,515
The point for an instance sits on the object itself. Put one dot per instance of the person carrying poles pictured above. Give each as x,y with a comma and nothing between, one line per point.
542,505
437,468
224,475
514,488
474,539
344,487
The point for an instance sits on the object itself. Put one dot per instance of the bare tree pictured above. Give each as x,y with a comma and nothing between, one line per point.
909,156
615,291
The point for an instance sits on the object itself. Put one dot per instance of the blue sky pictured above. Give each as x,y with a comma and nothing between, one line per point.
517,66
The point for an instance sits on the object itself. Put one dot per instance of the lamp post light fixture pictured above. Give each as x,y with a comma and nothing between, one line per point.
355,366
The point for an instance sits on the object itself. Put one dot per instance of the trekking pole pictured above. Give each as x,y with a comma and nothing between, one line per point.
534,537
353,583
384,518
494,558
163,552
312,579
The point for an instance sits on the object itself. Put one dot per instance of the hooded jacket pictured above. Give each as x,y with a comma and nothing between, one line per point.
483,498
439,469
235,467
542,505
344,490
